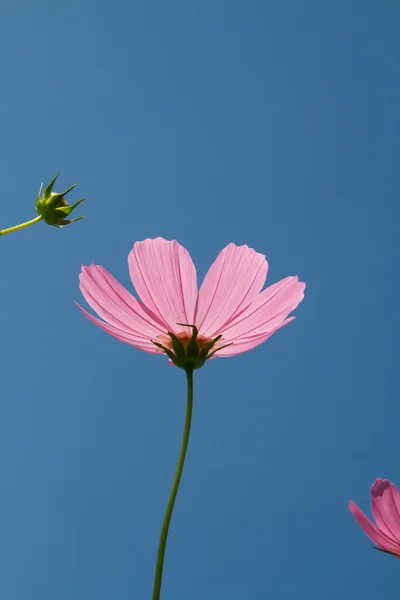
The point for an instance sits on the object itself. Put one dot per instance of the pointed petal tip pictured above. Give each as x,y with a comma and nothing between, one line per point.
352,506
85,312
83,271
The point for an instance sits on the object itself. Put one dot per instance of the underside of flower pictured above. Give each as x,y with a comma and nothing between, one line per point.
385,505
229,314
187,351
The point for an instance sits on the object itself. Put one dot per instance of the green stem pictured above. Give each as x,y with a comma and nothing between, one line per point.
22,226
174,489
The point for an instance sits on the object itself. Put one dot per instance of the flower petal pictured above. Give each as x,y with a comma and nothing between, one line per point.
267,311
121,335
165,278
231,284
385,502
372,531
244,344
116,305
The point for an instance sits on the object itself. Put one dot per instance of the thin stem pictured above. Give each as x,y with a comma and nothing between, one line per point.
174,489
22,226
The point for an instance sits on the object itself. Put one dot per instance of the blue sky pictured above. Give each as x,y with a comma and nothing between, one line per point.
273,124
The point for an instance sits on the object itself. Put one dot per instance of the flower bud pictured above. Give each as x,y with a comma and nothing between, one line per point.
53,207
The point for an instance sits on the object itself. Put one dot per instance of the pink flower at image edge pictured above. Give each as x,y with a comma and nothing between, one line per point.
230,303
385,506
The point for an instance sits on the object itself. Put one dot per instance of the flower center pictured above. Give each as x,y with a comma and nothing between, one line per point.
184,337
185,350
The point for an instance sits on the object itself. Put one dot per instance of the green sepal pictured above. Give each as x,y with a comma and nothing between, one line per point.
63,222
218,349
48,188
192,347
39,195
168,352
189,358
177,345
66,210
204,352
68,190
52,202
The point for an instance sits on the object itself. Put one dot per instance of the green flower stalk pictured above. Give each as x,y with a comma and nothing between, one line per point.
228,315
51,207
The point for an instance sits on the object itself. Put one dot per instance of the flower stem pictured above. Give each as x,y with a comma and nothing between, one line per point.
174,489
18,227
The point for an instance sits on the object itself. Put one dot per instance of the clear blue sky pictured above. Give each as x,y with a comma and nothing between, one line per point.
274,124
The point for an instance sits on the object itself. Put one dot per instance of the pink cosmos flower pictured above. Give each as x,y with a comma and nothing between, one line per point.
385,504
228,315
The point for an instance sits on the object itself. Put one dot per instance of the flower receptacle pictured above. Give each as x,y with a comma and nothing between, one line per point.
189,353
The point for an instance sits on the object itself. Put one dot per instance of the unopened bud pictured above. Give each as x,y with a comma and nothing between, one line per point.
53,207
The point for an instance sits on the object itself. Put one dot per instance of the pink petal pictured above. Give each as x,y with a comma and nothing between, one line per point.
267,311
165,279
385,501
372,531
244,344
116,305
231,284
121,335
